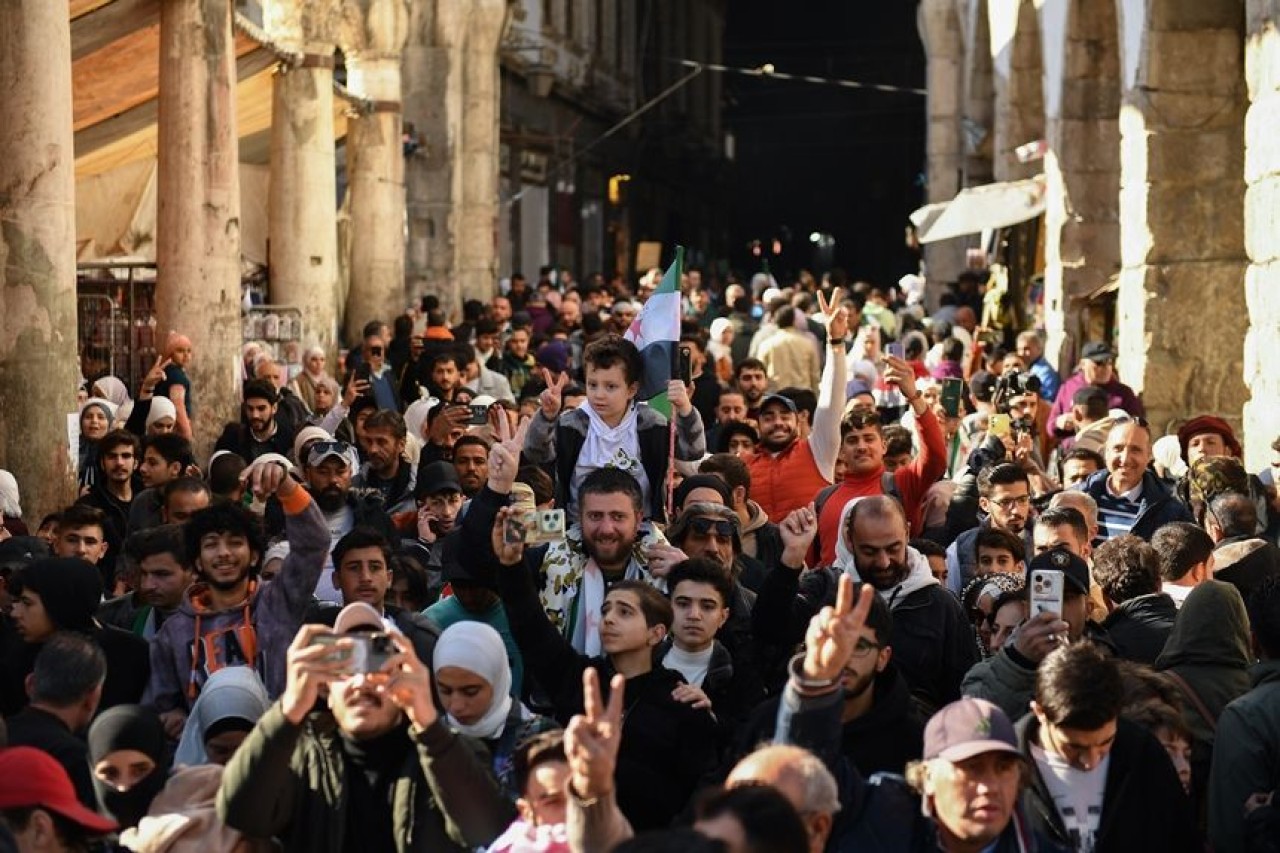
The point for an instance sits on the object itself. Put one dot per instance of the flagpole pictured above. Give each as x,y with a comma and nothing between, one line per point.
675,357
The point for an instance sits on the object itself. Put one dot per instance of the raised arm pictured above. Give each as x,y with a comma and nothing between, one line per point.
825,438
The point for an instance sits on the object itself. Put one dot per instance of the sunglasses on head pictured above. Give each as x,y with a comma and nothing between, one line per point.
704,526
321,449
859,420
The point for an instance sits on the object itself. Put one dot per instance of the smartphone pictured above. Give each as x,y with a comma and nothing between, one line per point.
364,372
894,349
951,392
479,415
534,527
999,425
1047,586
367,653
685,368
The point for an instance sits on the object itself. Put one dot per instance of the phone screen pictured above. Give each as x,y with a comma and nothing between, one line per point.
951,391
894,349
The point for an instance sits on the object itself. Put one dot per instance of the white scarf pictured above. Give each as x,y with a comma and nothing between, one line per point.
586,631
918,574
610,447
478,648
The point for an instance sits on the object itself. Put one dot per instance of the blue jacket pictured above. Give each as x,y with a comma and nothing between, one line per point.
1159,506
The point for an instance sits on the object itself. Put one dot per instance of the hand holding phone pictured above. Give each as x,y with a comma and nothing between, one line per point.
952,389
895,349
685,368
999,425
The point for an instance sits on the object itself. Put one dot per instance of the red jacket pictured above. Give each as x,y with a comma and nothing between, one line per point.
785,482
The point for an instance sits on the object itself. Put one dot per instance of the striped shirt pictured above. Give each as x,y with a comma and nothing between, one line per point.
1118,513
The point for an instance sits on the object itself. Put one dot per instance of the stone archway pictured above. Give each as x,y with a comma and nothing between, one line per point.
1181,304
1020,107
1082,222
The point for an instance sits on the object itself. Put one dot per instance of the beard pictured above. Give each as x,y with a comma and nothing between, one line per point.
330,499
610,552
776,441
886,578
228,585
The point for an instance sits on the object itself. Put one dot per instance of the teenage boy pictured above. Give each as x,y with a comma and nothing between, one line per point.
112,493
999,552
668,736
80,531
228,618
163,576
164,458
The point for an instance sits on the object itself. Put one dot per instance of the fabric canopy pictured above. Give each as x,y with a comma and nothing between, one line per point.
979,209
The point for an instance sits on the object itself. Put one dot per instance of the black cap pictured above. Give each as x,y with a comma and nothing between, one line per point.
778,398
436,478
18,551
982,385
1074,569
1097,351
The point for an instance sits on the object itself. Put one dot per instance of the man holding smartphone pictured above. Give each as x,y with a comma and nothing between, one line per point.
380,377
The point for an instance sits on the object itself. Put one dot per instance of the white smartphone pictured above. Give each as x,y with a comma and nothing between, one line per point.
1047,589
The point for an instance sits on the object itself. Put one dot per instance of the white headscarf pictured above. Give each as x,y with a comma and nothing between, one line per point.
113,389
918,576
477,648
9,503
161,407
235,691
415,417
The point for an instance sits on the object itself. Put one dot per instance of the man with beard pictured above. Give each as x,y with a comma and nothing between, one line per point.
931,637
786,472
1004,495
386,469
259,430
227,618
369,766
112,493
163,576
752,382
471,461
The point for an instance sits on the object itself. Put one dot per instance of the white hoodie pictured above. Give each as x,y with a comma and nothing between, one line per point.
918,576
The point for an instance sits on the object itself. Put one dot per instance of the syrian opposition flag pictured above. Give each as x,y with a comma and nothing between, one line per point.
656,333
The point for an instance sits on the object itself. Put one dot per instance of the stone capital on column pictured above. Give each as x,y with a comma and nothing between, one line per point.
303,26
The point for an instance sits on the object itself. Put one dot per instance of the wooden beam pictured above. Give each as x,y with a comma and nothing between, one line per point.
105,24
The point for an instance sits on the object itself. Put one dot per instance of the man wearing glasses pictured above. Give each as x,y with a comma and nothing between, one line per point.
1004,495
381,377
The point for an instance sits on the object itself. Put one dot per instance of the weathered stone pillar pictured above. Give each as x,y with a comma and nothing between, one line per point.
373,35
939,29
1019,78
1181,304
1082,225
37,253
302,202
478,212
198,193
451,91
1262,233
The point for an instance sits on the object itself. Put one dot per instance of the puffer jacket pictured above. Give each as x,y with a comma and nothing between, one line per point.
1140,626
290,783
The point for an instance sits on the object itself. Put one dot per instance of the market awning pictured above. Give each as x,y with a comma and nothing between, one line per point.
979,209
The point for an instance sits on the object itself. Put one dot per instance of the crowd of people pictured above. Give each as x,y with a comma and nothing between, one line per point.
867,579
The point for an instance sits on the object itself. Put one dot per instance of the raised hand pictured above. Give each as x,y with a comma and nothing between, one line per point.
592,739
504,455
798,530
678,394
835,317
508,553
898,372
662,558
154,377
408,684
550,399
355,388
269,477
833,631
308,666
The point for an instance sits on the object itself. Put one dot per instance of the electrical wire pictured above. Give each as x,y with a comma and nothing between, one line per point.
767,71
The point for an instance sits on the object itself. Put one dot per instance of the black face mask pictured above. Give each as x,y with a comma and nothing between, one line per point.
129,727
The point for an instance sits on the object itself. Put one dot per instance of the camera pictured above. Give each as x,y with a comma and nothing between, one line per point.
1011,385
533,527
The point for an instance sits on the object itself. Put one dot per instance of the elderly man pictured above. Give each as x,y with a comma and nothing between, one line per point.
1130,498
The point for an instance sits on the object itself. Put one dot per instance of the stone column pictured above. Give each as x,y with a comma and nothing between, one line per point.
433,76
1262,233
477,229
1182,296
939,29
37,254
198,195
1019,113
1082,225
302,230
373,35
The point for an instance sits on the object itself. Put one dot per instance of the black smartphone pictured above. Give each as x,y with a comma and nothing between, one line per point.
479,415
364,372
685,366
951,391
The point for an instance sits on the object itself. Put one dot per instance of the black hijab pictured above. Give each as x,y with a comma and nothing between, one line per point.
128,727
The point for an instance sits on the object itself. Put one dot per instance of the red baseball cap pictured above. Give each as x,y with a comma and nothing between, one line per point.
32,778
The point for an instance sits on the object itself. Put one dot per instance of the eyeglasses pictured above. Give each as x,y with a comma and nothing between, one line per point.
1007,504
704,526
865,647
375,350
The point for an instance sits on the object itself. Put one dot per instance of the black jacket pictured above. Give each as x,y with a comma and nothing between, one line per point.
117,516
931,639
238,438
1245,562
128,669
44,731
1140,627
667,746
883,740
1159,506
1143,806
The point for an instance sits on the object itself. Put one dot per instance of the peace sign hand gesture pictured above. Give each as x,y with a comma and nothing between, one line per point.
550,399
834,315
833,632
504,455
592,739
154,377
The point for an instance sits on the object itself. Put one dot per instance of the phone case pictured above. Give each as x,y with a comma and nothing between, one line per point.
999,425
1047,587
951,392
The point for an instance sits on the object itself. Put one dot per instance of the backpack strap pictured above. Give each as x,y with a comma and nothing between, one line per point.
818,503
1193,698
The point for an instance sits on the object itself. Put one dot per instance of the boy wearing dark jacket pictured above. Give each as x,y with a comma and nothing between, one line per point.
228,617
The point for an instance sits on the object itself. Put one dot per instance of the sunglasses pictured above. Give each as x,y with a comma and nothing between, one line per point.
375,350
704,526
320,449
